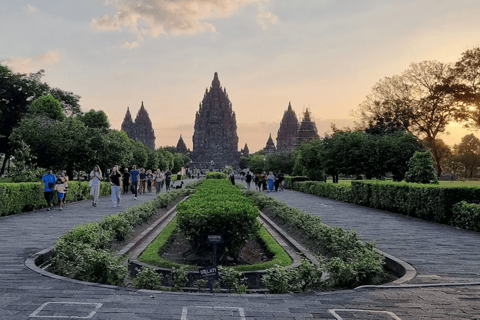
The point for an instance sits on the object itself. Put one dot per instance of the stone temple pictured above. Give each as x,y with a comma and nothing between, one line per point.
141,129
307,130
215,140
288,132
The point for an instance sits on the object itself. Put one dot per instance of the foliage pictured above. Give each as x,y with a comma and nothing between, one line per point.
290,180
279,280
139,154
179,160
95,119
153,159
420,169
47,106
216,175
217,206
21,197
468,153
358,255
256,162
311,160
148,278
280,162
234,280
466,216
179,278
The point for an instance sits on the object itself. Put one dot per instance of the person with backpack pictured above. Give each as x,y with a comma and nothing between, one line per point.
48,181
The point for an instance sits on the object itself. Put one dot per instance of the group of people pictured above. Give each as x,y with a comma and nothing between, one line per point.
138,181
263,182
55,183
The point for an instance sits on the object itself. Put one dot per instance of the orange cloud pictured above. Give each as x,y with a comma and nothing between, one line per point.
155,17
32,64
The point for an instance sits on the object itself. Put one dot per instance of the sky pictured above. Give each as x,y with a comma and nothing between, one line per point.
324,55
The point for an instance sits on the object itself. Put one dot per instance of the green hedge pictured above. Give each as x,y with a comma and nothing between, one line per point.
84,253
27,196
466,216
216,175
290,180
428,202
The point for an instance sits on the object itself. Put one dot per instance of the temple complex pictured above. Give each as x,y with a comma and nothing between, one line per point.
140,129
270,146
215,140
288,131
245,152
182,147
307,130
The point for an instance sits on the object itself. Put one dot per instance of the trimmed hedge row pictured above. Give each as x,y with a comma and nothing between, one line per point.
428,202
466,216
290,180
350,261
84,253
20,197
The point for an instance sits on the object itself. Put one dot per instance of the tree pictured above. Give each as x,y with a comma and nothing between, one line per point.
467,70
280,161
420,169
424,100
17,91
139,154
153,159
468,154
310,158
95,119
48,106
441,152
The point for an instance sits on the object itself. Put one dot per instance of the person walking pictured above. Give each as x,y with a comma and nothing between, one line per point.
65,179
115,179
60,188
248,179
149,181
143,181
126,180
231,176
271,180
134,173
158,177
168,179
95,181
48,181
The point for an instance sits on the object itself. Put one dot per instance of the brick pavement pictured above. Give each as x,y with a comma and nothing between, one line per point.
25,294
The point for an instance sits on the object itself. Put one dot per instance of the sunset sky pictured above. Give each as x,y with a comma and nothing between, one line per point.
324,55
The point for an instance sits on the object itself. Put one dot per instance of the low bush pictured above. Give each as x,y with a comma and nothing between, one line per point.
21,197
290,180
148,278
218,207
234,280
216,175
361,258
466,216
85,253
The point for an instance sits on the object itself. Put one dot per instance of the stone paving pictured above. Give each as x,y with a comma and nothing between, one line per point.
25,294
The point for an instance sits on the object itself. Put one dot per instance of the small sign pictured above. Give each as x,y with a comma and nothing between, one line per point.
214,238
208,271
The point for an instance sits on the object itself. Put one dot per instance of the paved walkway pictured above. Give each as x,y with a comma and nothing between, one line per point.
25,294
439,253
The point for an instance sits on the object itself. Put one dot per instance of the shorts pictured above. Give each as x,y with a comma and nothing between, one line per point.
60,195
48,196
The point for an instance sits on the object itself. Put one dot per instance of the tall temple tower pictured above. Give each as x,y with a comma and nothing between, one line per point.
141,129
215,140
288,131
307,130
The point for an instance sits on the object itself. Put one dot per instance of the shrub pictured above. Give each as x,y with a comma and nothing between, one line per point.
279,280
216,175
179,278
234,280
420,169
466,216
118,225
290,180
147,278
217,206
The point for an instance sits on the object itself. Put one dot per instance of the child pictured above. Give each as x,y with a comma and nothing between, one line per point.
60,188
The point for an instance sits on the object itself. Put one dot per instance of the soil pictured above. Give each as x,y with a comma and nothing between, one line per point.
179,250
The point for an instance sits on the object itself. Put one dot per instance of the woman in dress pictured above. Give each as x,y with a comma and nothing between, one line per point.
95,180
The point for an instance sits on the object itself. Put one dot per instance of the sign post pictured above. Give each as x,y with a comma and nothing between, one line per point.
212,271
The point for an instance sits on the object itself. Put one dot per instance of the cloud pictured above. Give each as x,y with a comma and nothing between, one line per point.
32,64
31,8
266,18
175,17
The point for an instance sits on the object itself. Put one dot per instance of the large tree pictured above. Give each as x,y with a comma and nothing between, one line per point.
17,91
423,100
468,154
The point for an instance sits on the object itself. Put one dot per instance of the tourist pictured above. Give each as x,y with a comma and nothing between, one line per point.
158,177
231,176
149,181
48,181
115,179
143,181
168,179
60,188
65,180
126,181
279,182
134,173
271,180
248,179
95,181
256,180
263,180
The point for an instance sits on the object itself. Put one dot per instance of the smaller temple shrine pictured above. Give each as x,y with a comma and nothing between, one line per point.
307,130
270,147
288,131
245,152
181,146
140,129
